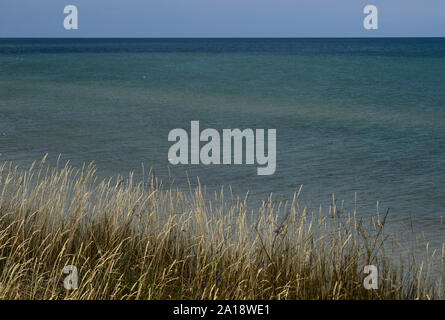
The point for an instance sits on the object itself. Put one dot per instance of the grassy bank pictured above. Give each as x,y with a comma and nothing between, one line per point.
140,240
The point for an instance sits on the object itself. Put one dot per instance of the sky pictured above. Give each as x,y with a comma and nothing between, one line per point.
222,18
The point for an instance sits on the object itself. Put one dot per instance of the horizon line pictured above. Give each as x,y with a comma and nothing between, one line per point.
127,37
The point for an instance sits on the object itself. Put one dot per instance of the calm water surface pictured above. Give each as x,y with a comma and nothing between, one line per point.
363,116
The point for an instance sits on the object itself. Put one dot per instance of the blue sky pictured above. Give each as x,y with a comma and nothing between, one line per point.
222,18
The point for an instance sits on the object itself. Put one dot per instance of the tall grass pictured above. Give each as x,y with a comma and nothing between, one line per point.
140,240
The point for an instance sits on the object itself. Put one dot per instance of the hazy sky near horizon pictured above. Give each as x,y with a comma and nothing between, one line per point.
222,18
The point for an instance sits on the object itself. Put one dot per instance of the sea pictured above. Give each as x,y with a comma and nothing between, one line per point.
358,120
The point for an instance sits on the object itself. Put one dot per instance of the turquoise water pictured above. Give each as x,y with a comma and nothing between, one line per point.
363,116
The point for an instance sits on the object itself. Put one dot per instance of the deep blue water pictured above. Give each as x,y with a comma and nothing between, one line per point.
363,116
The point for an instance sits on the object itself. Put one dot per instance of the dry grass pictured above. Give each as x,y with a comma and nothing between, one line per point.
142,241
